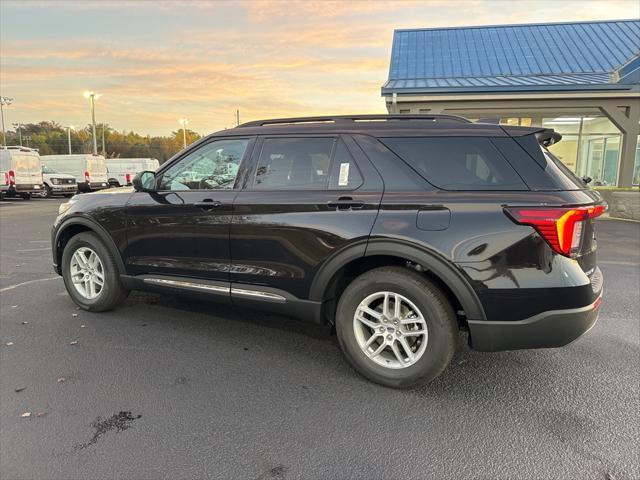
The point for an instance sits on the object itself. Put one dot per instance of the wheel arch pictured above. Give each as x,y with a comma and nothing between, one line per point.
72,227
381,252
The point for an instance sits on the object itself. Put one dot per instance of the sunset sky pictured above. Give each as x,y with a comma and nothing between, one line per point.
157,61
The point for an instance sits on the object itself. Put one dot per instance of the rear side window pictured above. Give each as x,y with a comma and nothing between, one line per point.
457,163
306,164
294,163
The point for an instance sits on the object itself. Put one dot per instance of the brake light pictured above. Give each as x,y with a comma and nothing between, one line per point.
127,178
560,227
87,177
12,178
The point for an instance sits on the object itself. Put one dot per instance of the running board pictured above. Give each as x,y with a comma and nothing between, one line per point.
215,288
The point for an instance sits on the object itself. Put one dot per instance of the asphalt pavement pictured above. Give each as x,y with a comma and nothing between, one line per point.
166,387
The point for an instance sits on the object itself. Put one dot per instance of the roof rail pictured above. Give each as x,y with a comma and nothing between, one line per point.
352,119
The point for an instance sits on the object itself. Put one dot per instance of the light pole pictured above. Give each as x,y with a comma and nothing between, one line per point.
104,150
69,128
4,101
184,122
18,126
93,97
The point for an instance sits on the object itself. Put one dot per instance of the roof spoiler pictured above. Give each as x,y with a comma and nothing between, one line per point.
548,137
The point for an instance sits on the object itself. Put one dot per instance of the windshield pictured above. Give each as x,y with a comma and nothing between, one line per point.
46,169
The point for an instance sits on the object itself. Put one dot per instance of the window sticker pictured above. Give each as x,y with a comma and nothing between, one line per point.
343,179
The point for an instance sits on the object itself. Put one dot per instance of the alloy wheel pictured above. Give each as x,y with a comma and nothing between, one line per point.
87,273
390,330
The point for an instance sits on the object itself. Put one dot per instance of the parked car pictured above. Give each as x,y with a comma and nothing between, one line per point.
90,171
397,230
58,183
122,170
20,171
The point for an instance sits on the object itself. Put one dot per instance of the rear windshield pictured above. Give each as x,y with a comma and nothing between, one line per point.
26,163
457,163
96,165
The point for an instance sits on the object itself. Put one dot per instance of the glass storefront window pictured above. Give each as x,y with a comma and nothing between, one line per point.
567,151
599,158
636,168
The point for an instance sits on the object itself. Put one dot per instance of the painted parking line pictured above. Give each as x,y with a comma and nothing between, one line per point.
11,287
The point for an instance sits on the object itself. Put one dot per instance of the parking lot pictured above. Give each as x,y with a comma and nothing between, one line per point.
168,387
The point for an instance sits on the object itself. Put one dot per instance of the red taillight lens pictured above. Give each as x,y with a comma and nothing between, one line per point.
12,178
560,227
87,177
127,178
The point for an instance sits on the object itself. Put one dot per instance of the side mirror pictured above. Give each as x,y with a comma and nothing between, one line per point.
144,181
586,180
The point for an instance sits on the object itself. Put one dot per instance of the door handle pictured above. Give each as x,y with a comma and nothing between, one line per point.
208,204
346,203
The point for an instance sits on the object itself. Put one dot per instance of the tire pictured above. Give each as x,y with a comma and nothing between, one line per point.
112,293
433,351
47,192
26,196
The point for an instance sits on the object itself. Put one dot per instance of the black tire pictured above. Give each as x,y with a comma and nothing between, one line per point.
48,193
113,292
26,196
439,315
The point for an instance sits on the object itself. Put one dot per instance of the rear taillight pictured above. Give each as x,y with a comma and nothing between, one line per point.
87,177
12,178
127,178
560,227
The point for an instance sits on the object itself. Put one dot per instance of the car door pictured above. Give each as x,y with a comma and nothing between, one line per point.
305,199
183,228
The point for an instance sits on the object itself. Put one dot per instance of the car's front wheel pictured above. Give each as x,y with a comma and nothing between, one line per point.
396,327
91,275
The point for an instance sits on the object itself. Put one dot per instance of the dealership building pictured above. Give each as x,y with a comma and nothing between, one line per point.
581,78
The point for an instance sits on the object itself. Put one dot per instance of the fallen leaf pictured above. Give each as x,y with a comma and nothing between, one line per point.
74,314
26,415
75,342
25,322
14,306
8,344
82,326
61,380
19,389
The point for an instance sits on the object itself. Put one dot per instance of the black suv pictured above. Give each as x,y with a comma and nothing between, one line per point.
397,230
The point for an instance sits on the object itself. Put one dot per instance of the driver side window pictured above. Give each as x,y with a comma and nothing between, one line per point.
213,166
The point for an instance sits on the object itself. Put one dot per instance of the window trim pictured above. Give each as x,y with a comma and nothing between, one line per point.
337,137
244,165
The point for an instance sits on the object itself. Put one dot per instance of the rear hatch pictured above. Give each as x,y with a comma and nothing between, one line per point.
567,225
97,169
27,170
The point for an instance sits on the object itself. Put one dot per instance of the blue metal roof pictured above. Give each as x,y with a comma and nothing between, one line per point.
532,57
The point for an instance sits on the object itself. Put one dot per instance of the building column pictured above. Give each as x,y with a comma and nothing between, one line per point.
627,123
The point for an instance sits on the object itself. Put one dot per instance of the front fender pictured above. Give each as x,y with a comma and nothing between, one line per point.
76,224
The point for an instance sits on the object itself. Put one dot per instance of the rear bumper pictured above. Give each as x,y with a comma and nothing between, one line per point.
25,188
92,186
551,329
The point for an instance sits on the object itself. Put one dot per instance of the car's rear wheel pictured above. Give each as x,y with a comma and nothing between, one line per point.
47,192
396,327
91,275
26,196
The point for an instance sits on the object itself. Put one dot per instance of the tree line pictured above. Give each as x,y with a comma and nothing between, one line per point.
50,138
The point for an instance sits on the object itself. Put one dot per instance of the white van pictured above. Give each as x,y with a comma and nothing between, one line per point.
20,171
122,170
89,170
